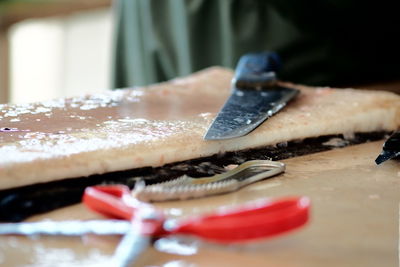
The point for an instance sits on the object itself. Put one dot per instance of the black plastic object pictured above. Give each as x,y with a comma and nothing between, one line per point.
391,149
257,69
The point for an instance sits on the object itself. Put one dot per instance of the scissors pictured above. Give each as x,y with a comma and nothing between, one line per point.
259,220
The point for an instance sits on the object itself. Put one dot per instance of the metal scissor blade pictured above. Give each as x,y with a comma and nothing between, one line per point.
246,109
186,187
70,228
132,245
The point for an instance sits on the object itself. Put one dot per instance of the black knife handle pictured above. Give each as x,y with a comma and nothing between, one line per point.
256,69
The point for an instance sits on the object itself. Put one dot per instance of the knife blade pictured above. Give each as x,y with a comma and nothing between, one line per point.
255,97
69,228
391,149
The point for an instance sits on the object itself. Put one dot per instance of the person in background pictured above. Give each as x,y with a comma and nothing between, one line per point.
321,42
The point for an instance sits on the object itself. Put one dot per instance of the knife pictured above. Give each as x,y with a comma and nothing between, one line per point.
391,149
255,97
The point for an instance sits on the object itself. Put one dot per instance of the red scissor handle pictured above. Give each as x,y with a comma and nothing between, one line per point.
117,202
258,220
266,219
108,200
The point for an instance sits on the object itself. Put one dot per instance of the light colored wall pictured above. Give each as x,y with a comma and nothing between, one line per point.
60,56
4,90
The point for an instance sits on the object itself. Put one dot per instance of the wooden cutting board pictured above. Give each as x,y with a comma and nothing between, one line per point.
165,123
354,222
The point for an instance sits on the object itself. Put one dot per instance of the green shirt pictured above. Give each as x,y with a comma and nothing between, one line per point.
321,42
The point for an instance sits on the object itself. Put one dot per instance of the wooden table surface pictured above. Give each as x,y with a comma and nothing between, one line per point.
354,222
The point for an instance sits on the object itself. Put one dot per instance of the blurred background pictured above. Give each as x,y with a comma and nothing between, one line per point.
54,48
61,48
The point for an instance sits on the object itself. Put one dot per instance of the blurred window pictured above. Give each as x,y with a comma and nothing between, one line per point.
60,54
